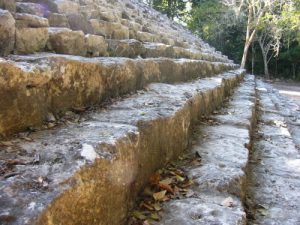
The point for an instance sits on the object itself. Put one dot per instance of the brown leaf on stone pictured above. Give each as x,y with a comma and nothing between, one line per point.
180,178
7,143
154,216
7,218
27,139
79,109
157,207
196,162
187,183
189,194
154,179
166,198
166,187
14,162
146,222
147,206
167,181
138,215
159,196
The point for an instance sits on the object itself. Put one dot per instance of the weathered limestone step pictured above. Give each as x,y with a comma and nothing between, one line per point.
273,184
31,33
291,112
133,48
219,181
32,86
110,19
7,32
110,30
31,8
91,172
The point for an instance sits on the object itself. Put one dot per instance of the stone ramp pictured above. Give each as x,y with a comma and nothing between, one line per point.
90,172
35,85
273,185
219,189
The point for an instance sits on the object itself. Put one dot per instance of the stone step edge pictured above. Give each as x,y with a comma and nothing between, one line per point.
132,48
112,184
274,181
216,191
33,86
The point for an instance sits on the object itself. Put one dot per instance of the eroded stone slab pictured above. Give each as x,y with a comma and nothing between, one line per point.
34,85
7,32
194,211
274,172
221,176
98,161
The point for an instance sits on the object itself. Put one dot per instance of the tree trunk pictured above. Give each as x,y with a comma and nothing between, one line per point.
294,71
266,67
249,38
265,58
276,68
253,58
245,54
250,33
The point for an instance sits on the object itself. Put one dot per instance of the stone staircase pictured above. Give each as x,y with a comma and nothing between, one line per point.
96,95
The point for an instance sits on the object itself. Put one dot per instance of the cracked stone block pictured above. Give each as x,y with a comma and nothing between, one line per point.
9,5
58,20
28,20
96,45
30,40
7,32
31,8
66,41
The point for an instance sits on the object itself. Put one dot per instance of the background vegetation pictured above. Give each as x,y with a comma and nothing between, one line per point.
262,35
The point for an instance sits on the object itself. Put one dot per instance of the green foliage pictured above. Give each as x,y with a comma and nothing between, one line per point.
219,25
172,8
214,23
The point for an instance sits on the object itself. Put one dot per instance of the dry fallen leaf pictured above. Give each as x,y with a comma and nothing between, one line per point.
154,216
27,139
189,194
159,196
167,181
157,207
6,143
263,212
139,215
154,179
147,206
180,178
170,182
146,222
166,187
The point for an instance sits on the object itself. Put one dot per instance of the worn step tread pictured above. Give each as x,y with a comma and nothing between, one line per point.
34,85
221,175
274,186
133,48
112,154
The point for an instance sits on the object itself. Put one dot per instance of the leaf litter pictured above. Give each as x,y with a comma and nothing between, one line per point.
166,184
